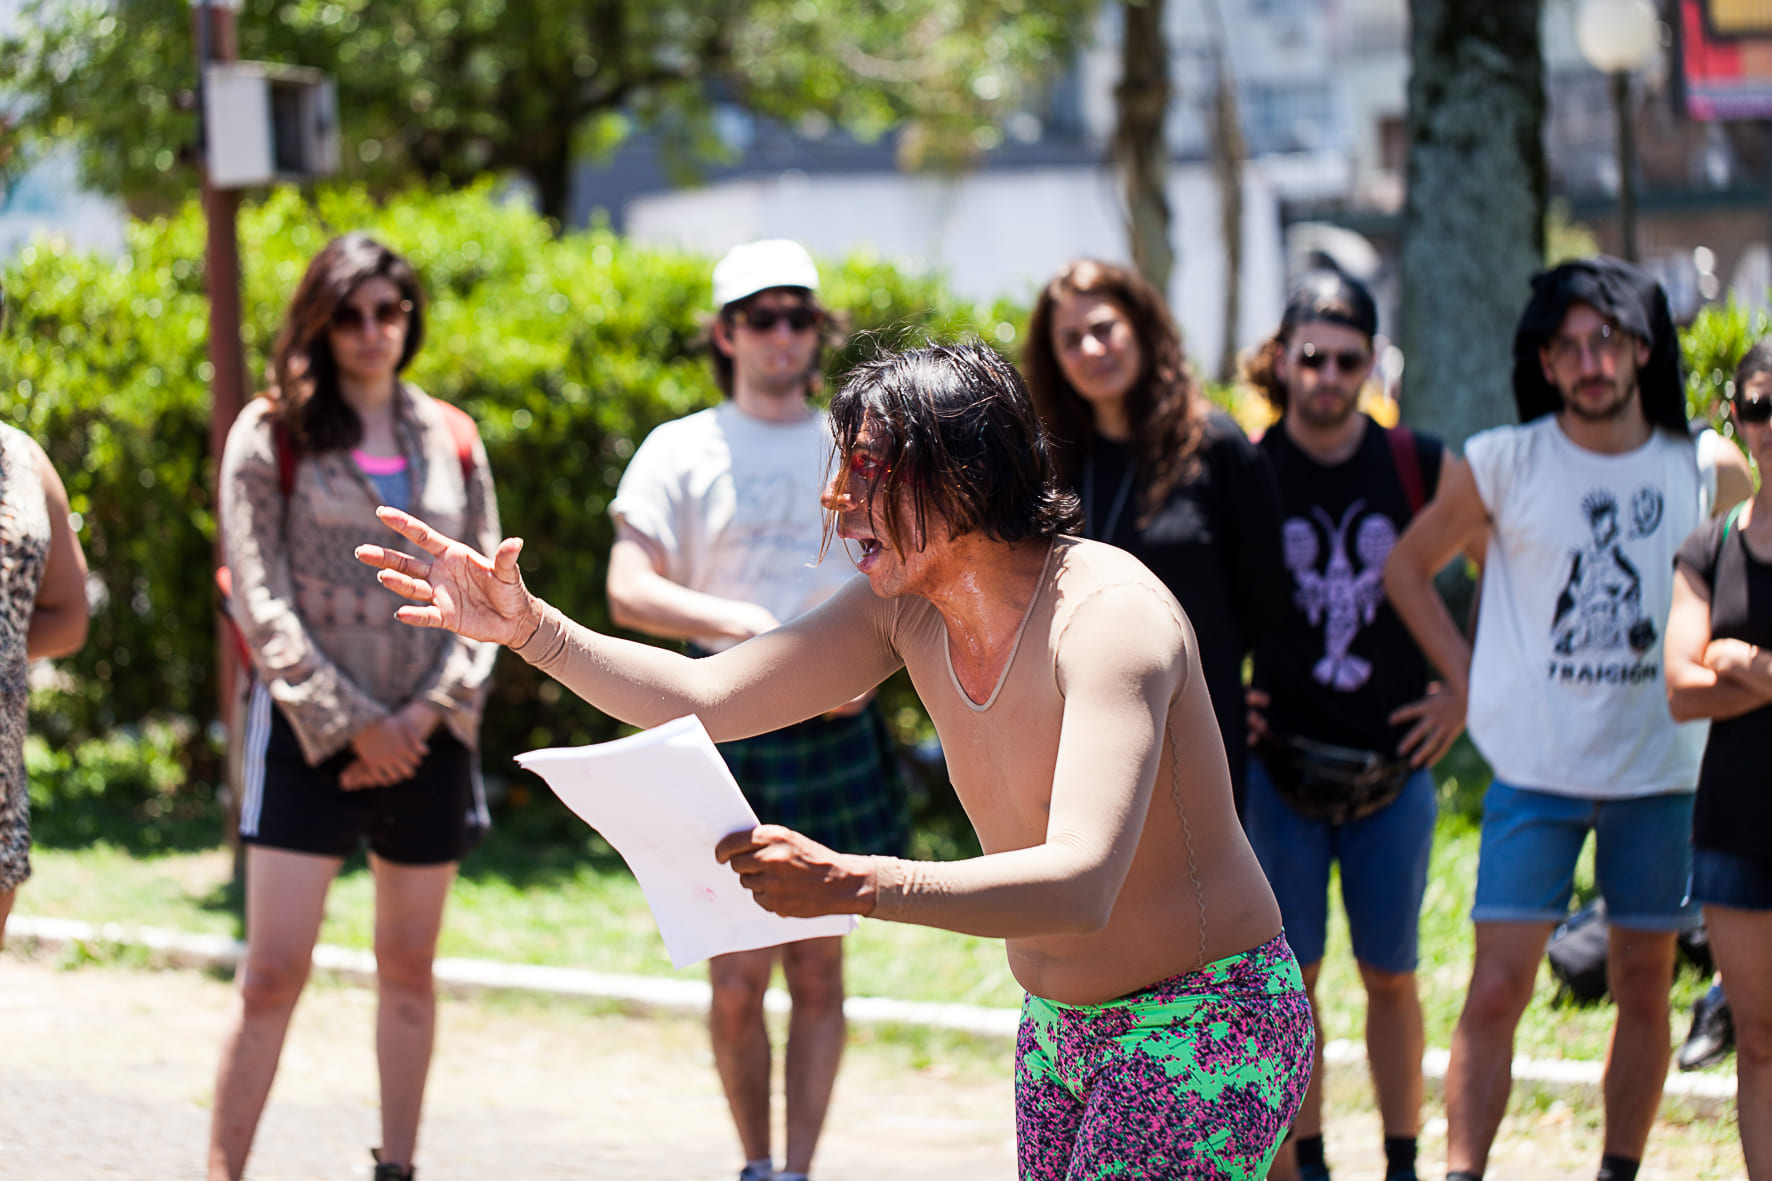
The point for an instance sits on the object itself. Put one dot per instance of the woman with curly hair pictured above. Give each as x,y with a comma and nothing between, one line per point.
1161,473
359,729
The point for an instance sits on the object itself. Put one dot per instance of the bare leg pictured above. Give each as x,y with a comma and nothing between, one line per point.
816,1031
285,901
1309,1121
1480,1074
1395,1041
1742,942
1639,972
408,915
741,1042
6,897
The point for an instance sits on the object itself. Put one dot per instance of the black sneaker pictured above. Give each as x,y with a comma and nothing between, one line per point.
1713,1032
388,1171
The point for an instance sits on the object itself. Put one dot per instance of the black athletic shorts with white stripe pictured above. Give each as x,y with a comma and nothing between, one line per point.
431,819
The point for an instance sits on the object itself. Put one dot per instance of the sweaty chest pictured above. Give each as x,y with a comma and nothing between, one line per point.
1001,757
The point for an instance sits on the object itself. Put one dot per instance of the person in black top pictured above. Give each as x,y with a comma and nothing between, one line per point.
1719,666
1161,473
1343,719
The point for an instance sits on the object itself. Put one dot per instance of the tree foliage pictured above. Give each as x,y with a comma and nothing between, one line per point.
567,350
447,89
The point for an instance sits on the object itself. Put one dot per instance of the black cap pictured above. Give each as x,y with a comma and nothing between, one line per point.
1628,296
1330,296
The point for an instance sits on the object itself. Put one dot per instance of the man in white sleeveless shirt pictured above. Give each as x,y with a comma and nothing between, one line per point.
1584,504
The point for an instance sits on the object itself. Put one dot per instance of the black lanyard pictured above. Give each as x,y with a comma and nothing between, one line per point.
1119,505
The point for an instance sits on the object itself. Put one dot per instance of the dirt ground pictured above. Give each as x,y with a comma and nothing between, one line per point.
106,1072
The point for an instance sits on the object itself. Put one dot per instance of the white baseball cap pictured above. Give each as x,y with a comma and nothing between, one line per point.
758,266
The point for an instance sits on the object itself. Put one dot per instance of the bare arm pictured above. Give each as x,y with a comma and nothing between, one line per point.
59,618
809,666
1742,664
1122,662
1454,520
1695,689
1439,716
1735,480
642,598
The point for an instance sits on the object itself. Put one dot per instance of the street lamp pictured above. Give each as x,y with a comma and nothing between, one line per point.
1619,37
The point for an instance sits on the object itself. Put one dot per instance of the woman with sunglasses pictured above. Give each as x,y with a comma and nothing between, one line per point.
1719,666
1161,473
358,729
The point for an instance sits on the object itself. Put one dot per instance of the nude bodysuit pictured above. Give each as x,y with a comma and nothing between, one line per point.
1094,773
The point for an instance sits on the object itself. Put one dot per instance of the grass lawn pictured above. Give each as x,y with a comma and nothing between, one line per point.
568,904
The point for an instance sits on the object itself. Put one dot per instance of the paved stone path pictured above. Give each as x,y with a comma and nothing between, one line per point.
107,1071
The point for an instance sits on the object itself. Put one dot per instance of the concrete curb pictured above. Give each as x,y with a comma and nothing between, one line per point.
1707,1093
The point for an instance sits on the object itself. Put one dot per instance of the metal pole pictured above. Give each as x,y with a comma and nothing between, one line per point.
217,42
1627,167
216,34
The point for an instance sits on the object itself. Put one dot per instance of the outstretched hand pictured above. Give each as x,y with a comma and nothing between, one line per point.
793,875
456,587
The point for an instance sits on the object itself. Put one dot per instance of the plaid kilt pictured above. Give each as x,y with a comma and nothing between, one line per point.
837,780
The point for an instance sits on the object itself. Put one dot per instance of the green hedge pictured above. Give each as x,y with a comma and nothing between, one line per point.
1714,343
566,349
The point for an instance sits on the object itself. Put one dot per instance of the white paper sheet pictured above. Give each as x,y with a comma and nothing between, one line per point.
664,798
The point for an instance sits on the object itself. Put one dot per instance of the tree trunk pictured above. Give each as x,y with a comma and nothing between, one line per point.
1473,221
1228,153
1141,106
552,173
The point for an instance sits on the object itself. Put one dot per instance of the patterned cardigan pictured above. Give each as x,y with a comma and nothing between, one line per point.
322,630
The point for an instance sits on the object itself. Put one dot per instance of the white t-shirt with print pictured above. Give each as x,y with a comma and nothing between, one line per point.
1567,686
732,501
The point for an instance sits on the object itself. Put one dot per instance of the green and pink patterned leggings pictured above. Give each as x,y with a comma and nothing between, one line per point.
1197,1076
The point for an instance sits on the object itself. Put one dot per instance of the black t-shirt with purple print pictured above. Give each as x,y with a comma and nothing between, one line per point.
1335,660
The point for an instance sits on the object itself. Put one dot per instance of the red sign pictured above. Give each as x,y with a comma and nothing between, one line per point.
1726,75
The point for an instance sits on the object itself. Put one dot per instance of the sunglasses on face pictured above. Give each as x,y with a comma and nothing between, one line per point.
765,319
1346,360
1755,410
350,317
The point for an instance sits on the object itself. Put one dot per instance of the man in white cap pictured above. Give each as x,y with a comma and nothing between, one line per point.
718,530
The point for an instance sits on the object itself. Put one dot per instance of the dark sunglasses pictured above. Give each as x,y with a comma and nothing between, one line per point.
1347,360
1755,410
386,314
765,319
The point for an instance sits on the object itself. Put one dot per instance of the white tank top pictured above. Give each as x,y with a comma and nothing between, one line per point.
1567,686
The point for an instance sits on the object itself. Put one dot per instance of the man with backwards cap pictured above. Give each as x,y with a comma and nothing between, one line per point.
1345,721
1583,504
718,532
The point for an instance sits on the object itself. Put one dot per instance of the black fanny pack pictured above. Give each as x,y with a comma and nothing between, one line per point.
1331,783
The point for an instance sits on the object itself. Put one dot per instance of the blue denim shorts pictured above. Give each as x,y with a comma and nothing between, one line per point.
1383,859
1728,879
1532,839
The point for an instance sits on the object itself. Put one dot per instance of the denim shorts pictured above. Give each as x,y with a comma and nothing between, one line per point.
1532,839
1383,859
1731,880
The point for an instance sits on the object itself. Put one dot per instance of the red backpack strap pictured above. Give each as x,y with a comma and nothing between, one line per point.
1408,461
286,458
463,431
